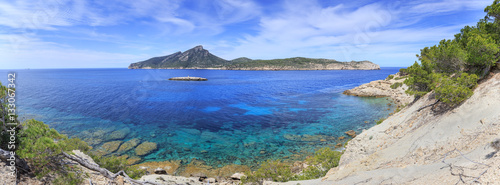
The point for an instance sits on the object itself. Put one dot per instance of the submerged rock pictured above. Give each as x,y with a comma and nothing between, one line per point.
128,145
119,134
133,160
145,148
308,138
351,133
111,146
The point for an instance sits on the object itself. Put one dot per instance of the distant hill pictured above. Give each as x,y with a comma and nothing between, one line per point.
199,58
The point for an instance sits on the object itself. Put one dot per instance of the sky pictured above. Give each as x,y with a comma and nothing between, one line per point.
114,33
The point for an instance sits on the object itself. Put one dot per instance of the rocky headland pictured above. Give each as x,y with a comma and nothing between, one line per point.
392,87
199,58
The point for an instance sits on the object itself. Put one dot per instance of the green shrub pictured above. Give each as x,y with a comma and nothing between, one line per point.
323,160
40,147
6,118
419,79
396,85
455,90
403,72
390,77
380,121
274,170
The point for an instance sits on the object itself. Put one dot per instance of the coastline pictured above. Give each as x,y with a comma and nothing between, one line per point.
266,69
420,146
392,87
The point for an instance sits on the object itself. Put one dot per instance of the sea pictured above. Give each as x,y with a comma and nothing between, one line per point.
236,117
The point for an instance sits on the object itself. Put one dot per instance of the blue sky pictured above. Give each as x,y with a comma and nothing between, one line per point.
113,34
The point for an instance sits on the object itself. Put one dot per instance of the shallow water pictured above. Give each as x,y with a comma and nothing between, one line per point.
236,117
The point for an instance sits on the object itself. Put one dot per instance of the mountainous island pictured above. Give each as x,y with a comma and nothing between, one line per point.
199,58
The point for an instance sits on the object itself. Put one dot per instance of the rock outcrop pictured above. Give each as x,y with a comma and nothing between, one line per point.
382,88
429,146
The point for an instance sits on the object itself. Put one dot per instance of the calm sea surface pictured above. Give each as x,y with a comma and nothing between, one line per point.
236,117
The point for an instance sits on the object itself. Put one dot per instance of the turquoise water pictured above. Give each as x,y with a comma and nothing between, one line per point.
236,117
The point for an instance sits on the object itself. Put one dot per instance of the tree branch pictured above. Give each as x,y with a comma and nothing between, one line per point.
103,171
21,165
427,106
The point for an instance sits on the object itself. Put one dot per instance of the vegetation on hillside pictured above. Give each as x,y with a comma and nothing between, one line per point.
452,68
201,58
297,62
276,170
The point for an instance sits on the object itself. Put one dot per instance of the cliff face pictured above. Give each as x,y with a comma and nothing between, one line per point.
199,58
430,146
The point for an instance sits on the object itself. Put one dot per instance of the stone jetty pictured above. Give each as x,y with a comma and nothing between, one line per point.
188,78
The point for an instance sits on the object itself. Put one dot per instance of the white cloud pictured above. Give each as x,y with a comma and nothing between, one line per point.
294,28
371,32
20,51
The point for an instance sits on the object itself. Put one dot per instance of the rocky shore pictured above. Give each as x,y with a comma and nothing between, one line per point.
433,145
392,87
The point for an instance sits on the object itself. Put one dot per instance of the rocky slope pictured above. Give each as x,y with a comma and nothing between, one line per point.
431,146
382,88
196,57
199,58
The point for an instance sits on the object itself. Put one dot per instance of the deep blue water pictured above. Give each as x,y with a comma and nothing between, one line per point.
240,117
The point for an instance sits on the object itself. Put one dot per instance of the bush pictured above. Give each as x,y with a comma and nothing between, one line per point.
454,90
6,118
399,78
323,160
390,77
403,72
482,54
396,85
274,170
380,121
41,148
419,79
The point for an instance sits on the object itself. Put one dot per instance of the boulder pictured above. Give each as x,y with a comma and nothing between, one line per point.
160,171
169,166
237,176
